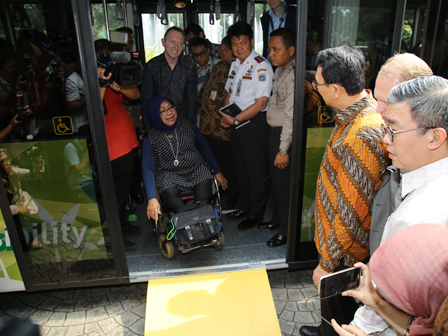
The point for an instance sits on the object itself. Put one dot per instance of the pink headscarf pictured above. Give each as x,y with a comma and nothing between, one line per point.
411,270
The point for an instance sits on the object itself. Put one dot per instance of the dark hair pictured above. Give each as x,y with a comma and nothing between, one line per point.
104,45
287,35
7,55
197,41
194,28
126,30
344,66
226,41
240,28
180,30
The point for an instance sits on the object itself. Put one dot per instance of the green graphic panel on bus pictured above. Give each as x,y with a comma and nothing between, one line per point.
7,258
52,185
316,143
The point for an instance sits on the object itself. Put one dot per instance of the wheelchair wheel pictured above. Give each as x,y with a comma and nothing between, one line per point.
166,247
220,242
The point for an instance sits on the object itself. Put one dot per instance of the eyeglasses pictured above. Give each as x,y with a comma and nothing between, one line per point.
169,109
316,85
390,132
201,54
174,43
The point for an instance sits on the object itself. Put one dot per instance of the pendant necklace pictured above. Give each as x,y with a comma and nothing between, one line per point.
176,161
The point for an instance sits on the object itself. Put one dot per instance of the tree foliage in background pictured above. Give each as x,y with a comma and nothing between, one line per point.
99,27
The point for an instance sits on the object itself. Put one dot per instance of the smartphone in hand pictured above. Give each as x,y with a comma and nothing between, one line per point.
339,282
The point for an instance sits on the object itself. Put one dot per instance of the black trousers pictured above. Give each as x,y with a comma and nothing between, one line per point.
224,156
173,200
338,307
250,147
123,170
281,183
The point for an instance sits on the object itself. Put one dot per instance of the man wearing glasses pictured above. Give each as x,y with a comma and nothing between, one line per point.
173,75
351,172
416,140
200,50
396,70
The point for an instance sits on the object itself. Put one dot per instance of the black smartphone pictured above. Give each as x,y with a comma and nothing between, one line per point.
339,282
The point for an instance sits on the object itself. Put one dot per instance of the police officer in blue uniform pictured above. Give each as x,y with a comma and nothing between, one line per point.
249,86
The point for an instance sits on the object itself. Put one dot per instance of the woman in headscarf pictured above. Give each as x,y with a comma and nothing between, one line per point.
411,271
173,159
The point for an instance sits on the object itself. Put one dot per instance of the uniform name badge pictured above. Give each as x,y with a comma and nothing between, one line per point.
213,94
238,88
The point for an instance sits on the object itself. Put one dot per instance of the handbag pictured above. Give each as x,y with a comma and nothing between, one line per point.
196,225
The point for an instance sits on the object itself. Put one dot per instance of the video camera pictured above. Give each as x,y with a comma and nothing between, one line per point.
116,63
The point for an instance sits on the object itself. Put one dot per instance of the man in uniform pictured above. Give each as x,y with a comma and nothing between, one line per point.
351,172
280,117
172,75
249,86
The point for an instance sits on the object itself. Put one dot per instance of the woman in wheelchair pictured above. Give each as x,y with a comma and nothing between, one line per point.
173,159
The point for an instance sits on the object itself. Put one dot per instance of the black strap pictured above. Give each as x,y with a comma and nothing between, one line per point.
104,107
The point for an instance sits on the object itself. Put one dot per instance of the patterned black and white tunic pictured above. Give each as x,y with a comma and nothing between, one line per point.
191,169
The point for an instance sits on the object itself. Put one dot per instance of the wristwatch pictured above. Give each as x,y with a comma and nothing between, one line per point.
283,152
236,122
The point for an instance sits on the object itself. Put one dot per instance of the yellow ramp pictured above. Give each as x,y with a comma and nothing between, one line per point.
234,303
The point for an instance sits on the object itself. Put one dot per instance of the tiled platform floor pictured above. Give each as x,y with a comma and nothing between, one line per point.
120,310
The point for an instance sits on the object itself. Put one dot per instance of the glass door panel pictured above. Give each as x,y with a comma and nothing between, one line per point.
48,164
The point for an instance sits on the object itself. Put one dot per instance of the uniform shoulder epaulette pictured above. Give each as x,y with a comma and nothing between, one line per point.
259,59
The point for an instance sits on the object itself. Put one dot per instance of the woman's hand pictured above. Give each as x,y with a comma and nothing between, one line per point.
153,209
222,182
365,292
114,86
347,330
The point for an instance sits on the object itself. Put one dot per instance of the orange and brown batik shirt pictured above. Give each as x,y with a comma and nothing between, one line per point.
351,172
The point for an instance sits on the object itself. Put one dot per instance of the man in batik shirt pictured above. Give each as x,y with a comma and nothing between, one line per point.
351,172
211,97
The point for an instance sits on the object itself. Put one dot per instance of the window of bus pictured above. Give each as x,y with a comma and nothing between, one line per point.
215,33
48,163
27,16
258,31
153,31
99,27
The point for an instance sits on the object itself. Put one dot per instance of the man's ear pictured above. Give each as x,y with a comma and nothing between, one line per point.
336,90
163,42
437,138
291,50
